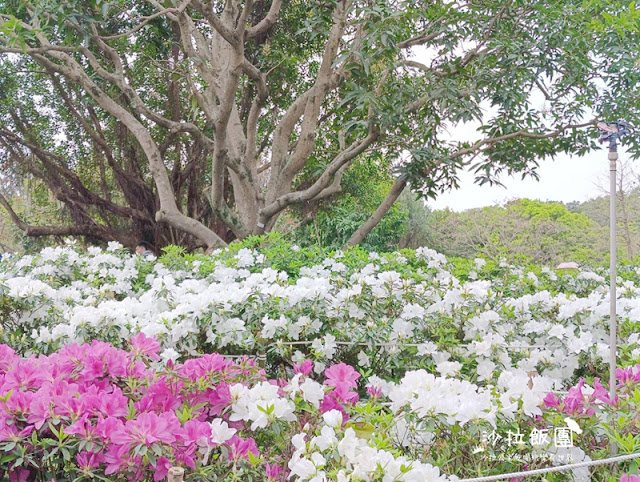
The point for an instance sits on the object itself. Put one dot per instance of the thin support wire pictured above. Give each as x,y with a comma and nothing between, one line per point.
560,468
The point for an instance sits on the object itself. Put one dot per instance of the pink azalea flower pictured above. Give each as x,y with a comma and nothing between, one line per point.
148,428
114,403
19,475
7,358
159,398
240,448
82,427
67,404
137,370
374,392
205,366
196,432
274,472
341,375
18,403
11,432
219,399
73,352
105,427
41,406
305,367
89,460
115,458
25,375
574,400
162,469
343,393
331,402
599,392
94,368
550,400
185,456
630,478
629,374
142,345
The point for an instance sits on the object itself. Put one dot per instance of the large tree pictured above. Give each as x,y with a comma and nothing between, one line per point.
213,117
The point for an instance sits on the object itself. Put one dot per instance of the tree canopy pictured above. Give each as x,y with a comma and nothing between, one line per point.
201,121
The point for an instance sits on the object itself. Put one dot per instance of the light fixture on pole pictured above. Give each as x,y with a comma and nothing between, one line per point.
612,131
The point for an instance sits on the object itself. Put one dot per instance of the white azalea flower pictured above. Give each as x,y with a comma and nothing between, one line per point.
220,431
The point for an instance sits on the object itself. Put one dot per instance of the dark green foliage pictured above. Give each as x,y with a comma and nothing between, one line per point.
330,223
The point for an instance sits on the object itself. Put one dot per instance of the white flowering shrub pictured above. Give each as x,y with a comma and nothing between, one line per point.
383,313
447,351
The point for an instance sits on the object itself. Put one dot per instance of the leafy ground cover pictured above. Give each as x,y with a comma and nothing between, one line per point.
267,361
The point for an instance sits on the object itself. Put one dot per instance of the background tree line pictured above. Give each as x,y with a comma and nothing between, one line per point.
521,230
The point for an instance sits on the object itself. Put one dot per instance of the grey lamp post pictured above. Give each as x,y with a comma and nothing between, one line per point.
612,131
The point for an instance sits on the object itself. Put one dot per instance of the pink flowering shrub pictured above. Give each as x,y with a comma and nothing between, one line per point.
94,410
599,419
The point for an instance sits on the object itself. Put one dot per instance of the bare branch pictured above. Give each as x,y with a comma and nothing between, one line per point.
256,108
334,188
321,87
34,50
243,19
96,230
374,219
168,211
525,134
89,196
424,68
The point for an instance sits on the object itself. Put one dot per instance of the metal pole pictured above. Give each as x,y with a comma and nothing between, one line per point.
613,324
612,131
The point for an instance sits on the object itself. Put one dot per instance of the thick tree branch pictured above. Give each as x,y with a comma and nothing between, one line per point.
321,183
376,217
267,22
168,211
87,196
254,113
418,40
146,19
306,141
513,135
207,12
334,188
397,189
94,230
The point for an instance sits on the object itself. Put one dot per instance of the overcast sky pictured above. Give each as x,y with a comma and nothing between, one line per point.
567,178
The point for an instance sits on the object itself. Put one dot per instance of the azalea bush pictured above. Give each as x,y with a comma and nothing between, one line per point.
96,412
597,420
384,313
93,411
339,366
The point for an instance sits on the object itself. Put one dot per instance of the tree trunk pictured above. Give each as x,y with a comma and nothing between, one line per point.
372,222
